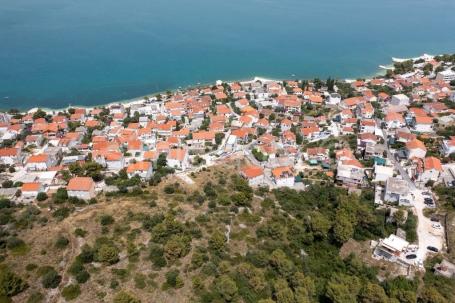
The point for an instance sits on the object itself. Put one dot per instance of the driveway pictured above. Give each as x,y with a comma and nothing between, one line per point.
426,234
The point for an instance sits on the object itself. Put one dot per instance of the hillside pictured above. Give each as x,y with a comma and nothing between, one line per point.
216,240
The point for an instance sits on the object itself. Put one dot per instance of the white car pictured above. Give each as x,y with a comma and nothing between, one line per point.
436,225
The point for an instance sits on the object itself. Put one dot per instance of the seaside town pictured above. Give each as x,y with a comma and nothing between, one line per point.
394,134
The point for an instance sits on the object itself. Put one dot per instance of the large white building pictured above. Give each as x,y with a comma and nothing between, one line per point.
446,75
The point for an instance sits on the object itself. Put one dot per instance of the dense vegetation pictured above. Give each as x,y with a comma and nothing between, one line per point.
220,241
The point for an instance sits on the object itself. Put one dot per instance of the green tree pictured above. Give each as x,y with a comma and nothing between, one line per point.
320,225
71,292
343,228
124,297
41,196
373,293
343,288
279,261
283,293
176,247
431,295
51,279
226,287
217,241
10,283
107,254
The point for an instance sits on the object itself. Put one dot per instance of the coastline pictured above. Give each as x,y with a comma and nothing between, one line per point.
128,102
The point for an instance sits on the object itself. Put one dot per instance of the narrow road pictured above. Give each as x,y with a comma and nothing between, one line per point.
426,234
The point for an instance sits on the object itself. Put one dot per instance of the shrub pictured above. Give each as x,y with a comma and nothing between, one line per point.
35,297
139,281
41,196
31,267
124,297
61,195
7,184
79,232
51,279
14,243
71,292
10,283
82,277
106,220
173,279
169,189
61,242
107,254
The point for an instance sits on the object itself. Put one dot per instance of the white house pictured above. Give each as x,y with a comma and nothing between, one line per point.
396,190
38,162
81,187
394,120
254,175
10,156
178,158
423,124
283,176
415,149
333,99
143,169
448,146
400,99
432,170
350,172
446,75
31,190
382,173
112,160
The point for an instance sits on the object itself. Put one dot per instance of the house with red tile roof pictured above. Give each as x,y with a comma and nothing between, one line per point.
254,174
40,162
432,170
423,124
81,188
283,176
394,120
178,158
11,156
30,190
415,149
143,169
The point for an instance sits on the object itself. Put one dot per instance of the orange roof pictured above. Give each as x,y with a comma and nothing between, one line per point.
204,135
424,120
139,166
252,171
8,152
38,158
177,154
392,116
282,172
80,184
151,155
414,144
352,162
432,163
33,186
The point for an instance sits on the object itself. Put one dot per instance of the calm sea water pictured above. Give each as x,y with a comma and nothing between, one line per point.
85,52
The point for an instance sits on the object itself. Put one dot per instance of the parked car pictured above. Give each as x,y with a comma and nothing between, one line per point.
426,193
434,219
411,256
428,200
432,248
436,225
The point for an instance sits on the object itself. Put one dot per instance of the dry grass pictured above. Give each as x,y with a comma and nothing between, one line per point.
41,239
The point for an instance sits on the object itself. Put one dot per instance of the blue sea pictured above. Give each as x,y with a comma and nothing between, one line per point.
87,52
